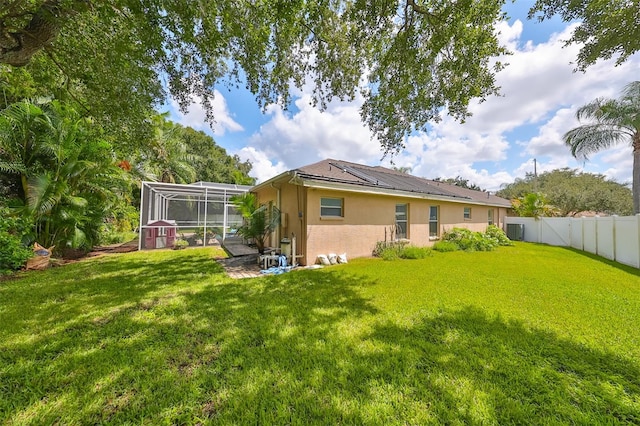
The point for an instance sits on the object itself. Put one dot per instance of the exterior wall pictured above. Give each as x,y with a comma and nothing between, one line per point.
287,198
368,218
452,215
365,219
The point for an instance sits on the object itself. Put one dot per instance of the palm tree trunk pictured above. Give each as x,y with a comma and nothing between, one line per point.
636,173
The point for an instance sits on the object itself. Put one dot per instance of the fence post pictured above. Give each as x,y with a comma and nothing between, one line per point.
614,237
638,234
539,223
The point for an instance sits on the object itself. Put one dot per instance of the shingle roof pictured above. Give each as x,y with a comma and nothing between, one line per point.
345,172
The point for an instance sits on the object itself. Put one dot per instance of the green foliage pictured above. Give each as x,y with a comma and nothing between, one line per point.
572,192
461,182
211,162
390,249
533,204
394,250
610,122
415,252
259,220
63,173
498,234
180,244
165,155
211,232
468,240
605,29
13,252
445,246
418,60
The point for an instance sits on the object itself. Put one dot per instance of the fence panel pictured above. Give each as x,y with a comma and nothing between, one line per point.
605,237
627,241
614,238
577,241
589,235
555,231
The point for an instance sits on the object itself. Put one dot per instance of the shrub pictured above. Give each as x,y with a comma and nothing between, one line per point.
469,240
415,252
13,253
445,246
393,250
390,253
388,247
498,234
180,244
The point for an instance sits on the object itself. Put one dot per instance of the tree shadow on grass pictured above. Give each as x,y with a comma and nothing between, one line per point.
308,348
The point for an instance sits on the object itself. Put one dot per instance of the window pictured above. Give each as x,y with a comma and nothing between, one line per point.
490,217
467,213
331,207
401,221
434,229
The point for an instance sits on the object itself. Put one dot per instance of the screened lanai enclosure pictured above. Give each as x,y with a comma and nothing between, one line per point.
200,213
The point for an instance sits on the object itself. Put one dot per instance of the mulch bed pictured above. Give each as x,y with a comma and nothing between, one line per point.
70,255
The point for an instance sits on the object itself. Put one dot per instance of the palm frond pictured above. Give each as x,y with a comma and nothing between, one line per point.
11,167
591,138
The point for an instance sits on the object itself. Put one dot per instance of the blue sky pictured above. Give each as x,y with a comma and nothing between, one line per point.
539,96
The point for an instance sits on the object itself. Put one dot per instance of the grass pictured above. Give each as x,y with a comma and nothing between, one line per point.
528,334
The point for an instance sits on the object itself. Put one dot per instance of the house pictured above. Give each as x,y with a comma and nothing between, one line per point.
336,206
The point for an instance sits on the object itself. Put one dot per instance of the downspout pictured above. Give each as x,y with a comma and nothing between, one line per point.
141,234
301,214
276,232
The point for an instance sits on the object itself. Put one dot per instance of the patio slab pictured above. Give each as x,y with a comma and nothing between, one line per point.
236,247
242,266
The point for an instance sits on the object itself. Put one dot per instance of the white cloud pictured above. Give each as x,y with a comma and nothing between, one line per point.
310,135
509,35
263,169
539,95
549,140
196,116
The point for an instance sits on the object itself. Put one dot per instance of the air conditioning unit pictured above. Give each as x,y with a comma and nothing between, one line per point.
515,231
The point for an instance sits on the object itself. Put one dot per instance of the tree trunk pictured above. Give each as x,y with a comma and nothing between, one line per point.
636,173
17,48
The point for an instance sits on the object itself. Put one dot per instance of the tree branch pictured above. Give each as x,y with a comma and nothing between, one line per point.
17,46
55,61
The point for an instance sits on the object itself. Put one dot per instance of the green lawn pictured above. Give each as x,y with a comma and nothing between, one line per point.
527,334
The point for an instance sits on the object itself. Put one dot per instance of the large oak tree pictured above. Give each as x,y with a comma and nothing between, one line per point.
412,60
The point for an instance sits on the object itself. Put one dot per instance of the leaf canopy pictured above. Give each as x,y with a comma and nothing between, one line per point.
411,60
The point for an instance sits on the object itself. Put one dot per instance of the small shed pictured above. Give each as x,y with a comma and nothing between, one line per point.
160,234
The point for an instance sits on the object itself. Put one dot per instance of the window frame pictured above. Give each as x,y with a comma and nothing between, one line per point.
491,217
466,214
405,221
324,207
435,221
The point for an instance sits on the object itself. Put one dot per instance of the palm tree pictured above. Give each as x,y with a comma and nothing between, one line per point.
613,121
259,220
64,176
166,158
533,204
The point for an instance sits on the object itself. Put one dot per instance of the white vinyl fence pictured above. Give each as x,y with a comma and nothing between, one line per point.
612,237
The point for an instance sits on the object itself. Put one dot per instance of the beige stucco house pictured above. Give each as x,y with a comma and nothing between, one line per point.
335,206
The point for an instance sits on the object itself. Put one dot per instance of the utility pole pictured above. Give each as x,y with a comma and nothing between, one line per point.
535,168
